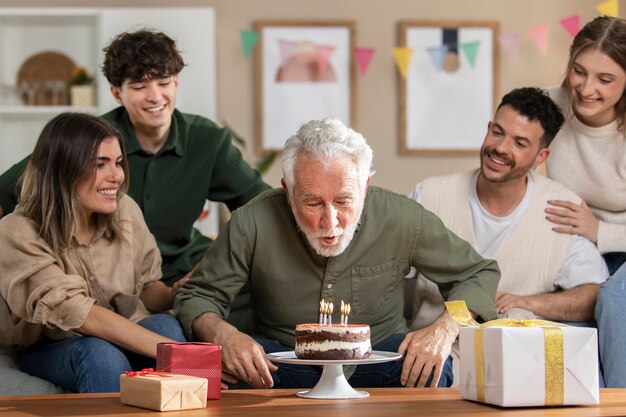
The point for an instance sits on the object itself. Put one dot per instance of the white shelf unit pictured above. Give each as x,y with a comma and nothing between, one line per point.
27,31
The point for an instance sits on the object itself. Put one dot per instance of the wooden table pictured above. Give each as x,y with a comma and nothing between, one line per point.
278,403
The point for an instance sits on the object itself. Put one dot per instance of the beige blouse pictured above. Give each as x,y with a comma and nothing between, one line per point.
51,294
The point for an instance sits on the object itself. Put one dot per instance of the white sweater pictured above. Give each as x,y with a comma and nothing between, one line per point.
591,161
530,258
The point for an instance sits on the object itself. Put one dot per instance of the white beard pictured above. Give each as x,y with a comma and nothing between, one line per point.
344,235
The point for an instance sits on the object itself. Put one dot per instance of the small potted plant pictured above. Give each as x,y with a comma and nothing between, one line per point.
82,89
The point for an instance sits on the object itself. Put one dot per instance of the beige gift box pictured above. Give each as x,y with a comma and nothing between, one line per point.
163,392
529,366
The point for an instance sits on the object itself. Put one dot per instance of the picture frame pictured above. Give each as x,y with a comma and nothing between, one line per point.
304,70
451,86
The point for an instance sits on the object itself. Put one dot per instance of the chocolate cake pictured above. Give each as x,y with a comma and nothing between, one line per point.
336,342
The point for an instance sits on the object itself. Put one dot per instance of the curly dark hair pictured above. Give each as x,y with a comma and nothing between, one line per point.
535,104
135,55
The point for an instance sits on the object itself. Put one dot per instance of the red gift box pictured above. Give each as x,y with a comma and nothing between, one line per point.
199,359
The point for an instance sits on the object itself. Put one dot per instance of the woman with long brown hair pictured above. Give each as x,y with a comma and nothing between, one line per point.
80,270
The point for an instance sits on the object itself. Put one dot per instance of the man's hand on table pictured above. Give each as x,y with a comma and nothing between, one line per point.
426,350
245,359
242,358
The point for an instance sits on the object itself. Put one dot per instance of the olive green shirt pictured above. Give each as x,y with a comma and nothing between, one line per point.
262,245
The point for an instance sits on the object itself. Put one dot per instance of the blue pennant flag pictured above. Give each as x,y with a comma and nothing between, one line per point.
437,55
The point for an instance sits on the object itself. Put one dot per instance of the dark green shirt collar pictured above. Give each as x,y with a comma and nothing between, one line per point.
173,143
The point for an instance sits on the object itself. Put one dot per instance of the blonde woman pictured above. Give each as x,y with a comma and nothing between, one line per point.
589,156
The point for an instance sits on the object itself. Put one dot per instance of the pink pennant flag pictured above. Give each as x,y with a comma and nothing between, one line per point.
363,56
539,34
571,24
323,53
286,50
509,44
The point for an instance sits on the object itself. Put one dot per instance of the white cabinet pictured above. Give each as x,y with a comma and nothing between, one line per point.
81,34
24,32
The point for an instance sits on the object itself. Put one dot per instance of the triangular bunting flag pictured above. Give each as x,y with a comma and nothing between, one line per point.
286,50
539,34
248,41
509,44
363,56
609,8
437,55
471,50
323,53
402,56
571,24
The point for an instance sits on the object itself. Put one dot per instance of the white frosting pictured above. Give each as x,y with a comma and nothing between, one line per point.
361,347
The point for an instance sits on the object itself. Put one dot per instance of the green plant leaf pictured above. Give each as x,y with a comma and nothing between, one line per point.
236,137
264,164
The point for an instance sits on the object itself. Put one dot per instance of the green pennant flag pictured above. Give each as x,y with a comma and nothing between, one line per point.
248,41
471,50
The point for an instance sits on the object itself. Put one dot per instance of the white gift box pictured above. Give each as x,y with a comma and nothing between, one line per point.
516,361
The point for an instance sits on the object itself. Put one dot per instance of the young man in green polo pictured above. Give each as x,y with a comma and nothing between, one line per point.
177,161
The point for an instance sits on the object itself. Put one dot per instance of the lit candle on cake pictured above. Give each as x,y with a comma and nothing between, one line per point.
330,314
347,312
321,311
343,312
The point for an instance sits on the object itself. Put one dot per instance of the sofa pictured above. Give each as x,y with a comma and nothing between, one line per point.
12,380
15,382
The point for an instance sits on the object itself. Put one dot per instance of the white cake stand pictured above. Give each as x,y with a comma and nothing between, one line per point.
333,383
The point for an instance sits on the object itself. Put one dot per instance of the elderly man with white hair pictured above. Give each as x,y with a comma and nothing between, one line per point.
327,234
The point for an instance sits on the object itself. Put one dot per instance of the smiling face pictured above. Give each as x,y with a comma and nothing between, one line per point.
596,85
511,147
327,202
149,102
99,192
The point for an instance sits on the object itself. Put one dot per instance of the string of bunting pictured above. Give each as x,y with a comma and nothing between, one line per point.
402,55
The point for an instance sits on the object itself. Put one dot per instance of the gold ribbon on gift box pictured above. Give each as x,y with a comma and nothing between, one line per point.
553,348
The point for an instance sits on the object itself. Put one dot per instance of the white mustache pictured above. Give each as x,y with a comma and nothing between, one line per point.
337,231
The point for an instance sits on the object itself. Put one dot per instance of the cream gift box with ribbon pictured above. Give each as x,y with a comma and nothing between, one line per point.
162,391
518,363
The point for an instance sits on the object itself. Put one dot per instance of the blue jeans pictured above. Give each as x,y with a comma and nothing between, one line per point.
610,314
91,364
365,376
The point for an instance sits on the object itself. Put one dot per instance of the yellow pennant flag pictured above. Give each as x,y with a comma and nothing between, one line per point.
609,8
402,55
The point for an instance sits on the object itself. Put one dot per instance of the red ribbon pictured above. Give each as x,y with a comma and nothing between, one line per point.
144,372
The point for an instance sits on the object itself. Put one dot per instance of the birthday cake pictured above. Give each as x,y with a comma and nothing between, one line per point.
333,342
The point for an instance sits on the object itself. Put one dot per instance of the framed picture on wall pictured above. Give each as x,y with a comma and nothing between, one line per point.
303,70
450,89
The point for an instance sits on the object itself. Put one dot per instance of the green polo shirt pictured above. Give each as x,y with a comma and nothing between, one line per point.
262,246
197,162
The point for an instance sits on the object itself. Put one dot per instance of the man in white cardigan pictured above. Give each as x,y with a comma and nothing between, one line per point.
499,209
